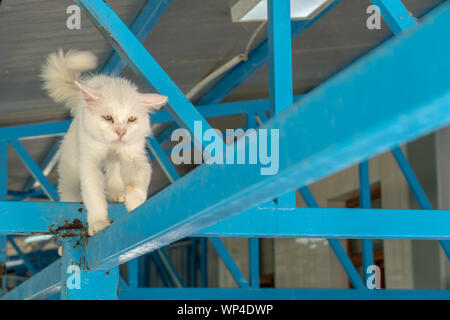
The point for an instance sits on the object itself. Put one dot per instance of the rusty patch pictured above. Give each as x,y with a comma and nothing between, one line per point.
75,224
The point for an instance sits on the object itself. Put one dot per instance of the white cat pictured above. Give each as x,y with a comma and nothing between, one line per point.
103,153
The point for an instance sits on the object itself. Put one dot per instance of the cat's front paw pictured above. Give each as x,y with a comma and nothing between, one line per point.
97,225
119,198
134,199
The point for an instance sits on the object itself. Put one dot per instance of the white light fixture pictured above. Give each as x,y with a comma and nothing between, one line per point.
256,10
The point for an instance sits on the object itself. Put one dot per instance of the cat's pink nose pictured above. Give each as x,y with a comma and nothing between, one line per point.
121,133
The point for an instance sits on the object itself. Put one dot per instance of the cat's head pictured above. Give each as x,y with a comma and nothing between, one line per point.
115,112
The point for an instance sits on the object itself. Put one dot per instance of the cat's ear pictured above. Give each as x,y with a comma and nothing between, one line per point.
153,101
89,94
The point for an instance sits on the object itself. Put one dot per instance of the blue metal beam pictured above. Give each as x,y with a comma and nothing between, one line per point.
280,55
341,223
416,188
318,138
43,284
280,67
256,59
162,159
281,294
34,169
24,257
335,245
39,130
395,14
144,23
78,281
378,127
400,19
28,217
176,278
49,159
229,263
162,271
133,273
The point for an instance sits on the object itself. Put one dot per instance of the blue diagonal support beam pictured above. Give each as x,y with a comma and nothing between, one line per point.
144,65
144,23
395,14
400,19
318,138
35,170
338,250
229,263
162,159
417,189
173,273
46,165
23,256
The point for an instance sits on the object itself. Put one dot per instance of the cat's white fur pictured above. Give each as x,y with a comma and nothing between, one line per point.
100,160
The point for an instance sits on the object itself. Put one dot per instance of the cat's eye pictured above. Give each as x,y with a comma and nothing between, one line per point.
107,118
132,119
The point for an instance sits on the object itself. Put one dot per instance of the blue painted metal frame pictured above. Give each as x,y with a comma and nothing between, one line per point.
34,169
350,141
264,221
416,188
338,250
400,19
379,129
78,281
24,257
229,262
146,20
395,14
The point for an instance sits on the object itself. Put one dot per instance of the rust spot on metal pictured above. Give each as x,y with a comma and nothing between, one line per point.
75,224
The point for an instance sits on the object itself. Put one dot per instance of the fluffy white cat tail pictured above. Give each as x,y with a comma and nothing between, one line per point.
61,71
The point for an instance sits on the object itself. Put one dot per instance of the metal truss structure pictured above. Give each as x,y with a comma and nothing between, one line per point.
393,95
